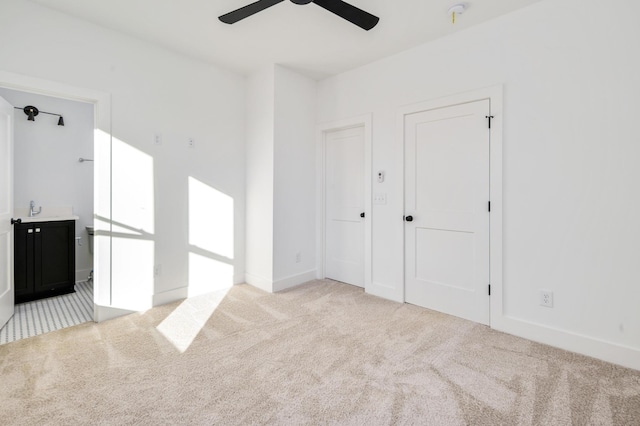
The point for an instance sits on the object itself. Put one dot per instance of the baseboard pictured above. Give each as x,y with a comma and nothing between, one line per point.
585,345
238,279
385,292
294,280
104,313
170,296
259,282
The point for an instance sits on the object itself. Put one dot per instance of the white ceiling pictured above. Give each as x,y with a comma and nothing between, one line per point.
303,37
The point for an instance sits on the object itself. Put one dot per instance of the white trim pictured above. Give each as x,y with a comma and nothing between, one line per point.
607,351
386,292
170,296
293,280
259,282
494,95
105,313
102,122
365,121
238,279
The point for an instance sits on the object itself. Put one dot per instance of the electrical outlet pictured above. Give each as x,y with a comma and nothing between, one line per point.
157,270
546,298
157,139
298,257
191,143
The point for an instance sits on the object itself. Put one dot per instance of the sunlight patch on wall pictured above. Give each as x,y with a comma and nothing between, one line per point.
133,280
210,219
183,324
207,275
132,226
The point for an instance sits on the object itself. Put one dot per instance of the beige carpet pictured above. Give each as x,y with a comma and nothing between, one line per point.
323,353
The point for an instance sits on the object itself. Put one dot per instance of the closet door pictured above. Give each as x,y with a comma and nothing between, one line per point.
344,206
446,210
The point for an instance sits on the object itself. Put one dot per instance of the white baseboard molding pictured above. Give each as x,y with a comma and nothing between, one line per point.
170,296
238,279
585,345
294,280
104,313
259,282
385,292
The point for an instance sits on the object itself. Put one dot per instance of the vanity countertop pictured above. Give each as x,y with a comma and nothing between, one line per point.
47,214
39,218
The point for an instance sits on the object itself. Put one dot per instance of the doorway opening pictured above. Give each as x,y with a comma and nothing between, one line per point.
53,191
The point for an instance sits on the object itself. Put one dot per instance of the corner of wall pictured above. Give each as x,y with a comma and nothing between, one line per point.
294,280
259,282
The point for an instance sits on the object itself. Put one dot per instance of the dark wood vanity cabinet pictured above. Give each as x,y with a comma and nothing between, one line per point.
44,259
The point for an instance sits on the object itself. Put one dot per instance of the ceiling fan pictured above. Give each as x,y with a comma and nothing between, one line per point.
344,10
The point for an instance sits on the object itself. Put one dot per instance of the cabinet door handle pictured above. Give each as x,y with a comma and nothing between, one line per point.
37,229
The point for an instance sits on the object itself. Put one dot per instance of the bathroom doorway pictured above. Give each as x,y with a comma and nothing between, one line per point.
54,178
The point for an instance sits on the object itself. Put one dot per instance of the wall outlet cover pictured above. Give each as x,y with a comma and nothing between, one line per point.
546,298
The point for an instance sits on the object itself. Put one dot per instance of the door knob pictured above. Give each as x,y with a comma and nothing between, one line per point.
14,221
362,214
409,218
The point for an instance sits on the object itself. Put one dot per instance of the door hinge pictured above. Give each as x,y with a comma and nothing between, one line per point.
489,289
488,205
489,117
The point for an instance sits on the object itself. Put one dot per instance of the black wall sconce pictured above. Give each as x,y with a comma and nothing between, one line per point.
32,112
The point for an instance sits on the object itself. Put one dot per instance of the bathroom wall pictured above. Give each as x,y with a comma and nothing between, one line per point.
46,166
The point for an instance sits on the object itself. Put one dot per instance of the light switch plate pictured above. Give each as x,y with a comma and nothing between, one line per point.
380,198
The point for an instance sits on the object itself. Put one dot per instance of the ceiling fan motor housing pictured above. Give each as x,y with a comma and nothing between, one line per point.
301,1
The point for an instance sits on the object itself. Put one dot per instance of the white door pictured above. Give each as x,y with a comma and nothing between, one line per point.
446,208
344,205
6,211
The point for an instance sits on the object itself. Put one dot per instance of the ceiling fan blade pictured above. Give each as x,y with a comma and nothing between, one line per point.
248,10
356,16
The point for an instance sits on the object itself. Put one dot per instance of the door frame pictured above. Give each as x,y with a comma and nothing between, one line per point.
495,96
102,175
321,132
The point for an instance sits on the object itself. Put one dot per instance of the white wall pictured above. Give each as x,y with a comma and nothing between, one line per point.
153,91
259,172
571,203
46,167
294,178
280,178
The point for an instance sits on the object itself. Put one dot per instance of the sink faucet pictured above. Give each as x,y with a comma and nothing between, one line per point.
32,211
